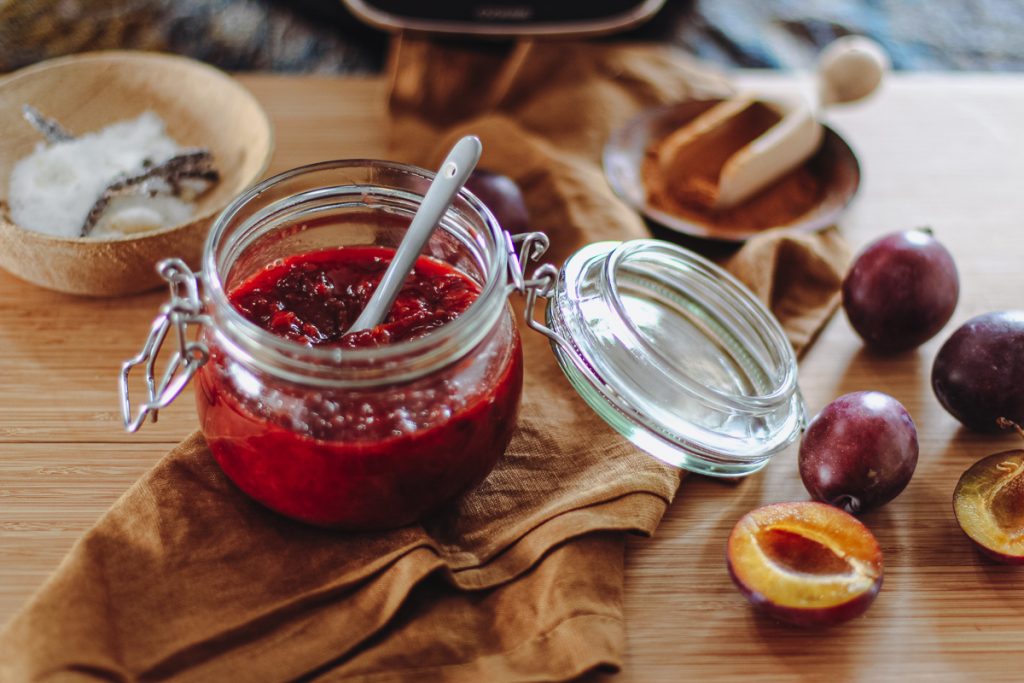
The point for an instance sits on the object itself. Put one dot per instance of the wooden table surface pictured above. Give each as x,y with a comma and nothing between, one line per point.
939,150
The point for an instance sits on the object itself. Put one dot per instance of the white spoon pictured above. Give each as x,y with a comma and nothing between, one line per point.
449,180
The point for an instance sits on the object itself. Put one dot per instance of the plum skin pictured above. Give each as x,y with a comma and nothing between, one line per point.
808,617
900,291
997,556
502,196
859,452
978,373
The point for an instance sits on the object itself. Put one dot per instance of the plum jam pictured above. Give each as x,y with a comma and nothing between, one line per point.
357,431
359,457
314,298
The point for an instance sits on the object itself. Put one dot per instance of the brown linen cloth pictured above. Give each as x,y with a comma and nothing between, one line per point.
185,578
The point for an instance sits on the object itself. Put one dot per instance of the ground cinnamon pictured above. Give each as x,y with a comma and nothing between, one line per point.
781,203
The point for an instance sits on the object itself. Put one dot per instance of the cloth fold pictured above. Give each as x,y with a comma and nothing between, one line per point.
522,579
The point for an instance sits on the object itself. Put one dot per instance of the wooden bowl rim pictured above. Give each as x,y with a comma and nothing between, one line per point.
140,56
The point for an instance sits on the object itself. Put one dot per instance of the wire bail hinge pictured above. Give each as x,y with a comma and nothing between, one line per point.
183,309
522,249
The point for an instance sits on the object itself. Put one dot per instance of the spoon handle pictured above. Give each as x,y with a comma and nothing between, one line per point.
450,178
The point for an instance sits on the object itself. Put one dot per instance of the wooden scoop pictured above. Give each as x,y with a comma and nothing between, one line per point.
740,146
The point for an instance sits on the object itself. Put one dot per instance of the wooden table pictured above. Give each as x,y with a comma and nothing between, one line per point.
945,151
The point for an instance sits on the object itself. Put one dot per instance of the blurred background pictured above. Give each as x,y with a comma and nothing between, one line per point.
321,36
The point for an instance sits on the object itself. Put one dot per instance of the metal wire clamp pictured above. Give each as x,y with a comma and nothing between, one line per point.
183,309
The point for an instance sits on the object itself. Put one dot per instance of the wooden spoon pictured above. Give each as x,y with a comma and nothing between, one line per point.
737,148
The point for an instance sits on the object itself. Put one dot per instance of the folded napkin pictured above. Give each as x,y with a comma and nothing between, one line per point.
185,578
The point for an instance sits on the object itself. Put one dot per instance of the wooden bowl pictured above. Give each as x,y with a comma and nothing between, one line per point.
834,167
202,107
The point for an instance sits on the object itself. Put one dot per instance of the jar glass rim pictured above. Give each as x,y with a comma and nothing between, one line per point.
686,416
783,386
493,285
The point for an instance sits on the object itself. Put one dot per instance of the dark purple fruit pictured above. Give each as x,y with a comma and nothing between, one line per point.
978,374
503,197
901,290
859,452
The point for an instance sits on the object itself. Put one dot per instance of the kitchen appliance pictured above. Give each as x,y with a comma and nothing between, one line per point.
506,17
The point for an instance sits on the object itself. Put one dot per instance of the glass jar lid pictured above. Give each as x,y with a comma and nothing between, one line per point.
677,355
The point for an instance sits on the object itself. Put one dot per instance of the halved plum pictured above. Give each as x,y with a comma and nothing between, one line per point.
989,505
807,563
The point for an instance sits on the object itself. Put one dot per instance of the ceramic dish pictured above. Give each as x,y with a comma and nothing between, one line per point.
833,167
202,107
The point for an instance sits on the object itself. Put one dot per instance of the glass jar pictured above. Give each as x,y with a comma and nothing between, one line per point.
357,438
668,348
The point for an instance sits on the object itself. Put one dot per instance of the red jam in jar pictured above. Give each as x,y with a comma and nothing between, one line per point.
359,455
315,298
